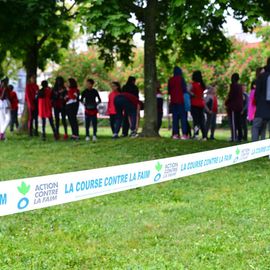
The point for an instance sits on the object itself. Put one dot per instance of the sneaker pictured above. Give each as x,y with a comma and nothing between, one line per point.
56,136
94,139
184,137
134,134
65,137
75,138
204,139
87,138
175,137
115,136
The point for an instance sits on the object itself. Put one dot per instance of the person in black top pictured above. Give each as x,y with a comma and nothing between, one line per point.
90,98
244,113
131,88
59,92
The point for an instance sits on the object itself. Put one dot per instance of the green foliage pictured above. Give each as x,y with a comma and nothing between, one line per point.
88,65
245,58
179,28
34,31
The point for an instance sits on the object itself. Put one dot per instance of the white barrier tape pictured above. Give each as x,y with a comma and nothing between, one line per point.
39,192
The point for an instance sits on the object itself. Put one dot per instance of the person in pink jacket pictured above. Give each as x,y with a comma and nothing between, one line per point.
111,111
251,103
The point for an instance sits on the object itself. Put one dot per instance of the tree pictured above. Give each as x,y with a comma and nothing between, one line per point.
34,31
186,28
192,28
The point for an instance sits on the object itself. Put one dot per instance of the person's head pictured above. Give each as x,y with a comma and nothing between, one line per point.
44,84
90,84
131,80
59,83
4,82
116,87
72,83
235,78
32,78
268,61
253,85
244,88
197,77
11,87
259,71
177,71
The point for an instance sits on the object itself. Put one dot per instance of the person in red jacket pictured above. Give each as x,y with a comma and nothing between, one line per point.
111,110
14,105
126,104
72,107
197,104
31,92
177,88
45,108
234,104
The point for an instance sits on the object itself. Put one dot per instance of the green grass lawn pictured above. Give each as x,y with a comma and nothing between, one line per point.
215,220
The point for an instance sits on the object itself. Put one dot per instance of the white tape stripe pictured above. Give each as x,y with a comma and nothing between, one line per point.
39,192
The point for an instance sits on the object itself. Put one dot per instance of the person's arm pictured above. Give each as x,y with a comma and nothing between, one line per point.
245,107
98,97
184,85
190,90
136,91
209,105
259,88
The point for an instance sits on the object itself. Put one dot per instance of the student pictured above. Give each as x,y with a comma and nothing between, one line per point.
31,91
262,100
197,104
244,113
45,108
211,108
111,111
72,107
14,104
177,88
4,108
251,102
131,88
90,98
59,92
234,104
128,104
159,106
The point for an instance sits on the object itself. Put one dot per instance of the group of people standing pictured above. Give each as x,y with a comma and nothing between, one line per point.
61,102
254,108
191,98
202,102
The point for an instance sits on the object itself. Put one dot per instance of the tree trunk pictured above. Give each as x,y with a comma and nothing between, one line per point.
31,65
150,74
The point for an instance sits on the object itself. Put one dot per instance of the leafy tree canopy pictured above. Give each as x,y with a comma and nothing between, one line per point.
34,31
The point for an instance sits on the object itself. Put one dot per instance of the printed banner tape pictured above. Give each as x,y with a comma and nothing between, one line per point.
22,195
